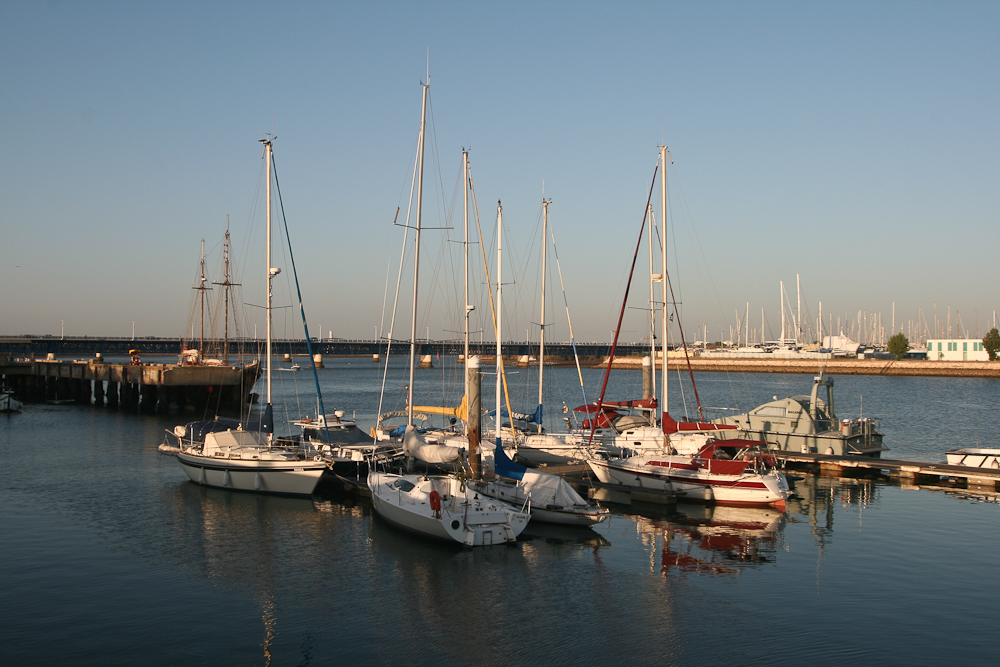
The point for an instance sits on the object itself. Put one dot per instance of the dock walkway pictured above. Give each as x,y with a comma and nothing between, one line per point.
918,471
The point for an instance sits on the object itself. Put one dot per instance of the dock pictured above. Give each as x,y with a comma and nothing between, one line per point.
143,387
912,472
905,473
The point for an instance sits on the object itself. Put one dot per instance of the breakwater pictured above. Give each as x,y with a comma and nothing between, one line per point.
885,367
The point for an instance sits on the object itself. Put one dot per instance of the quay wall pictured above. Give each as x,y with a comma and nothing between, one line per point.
905,367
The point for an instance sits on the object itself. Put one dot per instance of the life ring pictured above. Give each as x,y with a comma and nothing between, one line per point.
436,503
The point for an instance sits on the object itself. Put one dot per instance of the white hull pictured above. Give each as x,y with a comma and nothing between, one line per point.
284,477
244,461
974,458
694,482
464,516
551,449
9,404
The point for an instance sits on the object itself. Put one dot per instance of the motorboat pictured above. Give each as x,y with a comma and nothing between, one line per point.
316,428
974,457
808,424
8,403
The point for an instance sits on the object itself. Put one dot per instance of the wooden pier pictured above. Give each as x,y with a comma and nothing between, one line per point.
914,472
144,387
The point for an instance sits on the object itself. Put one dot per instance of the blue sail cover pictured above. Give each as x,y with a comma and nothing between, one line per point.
267,420
197,430
503,466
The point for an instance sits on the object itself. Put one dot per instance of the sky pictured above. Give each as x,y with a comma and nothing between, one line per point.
854,145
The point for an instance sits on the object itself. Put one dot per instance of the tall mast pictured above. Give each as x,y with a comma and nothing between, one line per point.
663,267
416,255
781,283
798,310
226,284
653,279
225,328
465,256
541,322
271,271
201,288
499,313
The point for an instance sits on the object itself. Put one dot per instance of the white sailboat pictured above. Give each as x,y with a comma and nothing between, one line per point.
700,466
253,460
438,506
541,448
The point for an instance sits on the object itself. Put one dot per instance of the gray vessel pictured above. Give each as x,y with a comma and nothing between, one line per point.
808,424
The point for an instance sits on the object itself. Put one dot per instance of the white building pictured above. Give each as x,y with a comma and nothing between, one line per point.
956,349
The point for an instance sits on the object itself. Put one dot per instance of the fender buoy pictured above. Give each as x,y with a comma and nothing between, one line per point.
436,503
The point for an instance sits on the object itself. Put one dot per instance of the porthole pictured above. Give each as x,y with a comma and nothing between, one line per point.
455,524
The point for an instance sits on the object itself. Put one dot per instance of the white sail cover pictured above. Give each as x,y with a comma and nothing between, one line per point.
414,445
545,490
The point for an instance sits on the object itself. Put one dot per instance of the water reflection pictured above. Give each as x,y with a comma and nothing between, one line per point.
713,540
254,544
817,498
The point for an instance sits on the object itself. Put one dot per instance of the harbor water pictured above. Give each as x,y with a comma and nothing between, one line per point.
112,557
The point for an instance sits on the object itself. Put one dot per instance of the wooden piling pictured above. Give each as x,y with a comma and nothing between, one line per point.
474,418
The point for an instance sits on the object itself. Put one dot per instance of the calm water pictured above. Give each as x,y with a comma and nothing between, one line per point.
112,557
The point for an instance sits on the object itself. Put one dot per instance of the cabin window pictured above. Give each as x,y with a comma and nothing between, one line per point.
965,347
404,485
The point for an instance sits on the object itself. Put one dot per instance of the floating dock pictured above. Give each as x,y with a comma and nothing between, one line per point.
914,472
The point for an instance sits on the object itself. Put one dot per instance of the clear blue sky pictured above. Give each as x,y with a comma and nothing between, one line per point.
856,144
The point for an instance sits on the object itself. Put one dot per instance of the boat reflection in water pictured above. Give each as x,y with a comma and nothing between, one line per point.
260,547
714,540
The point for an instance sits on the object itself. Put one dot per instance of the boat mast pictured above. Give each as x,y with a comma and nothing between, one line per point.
663,266
201,288
416,255
541,322
226,284
271,271
798,311
653,279
781,283
465,255
498,315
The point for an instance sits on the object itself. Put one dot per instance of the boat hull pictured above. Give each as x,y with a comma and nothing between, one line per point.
691,482
463,516
509,491
295,478
548,449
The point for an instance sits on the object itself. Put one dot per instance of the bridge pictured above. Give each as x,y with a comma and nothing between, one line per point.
86,346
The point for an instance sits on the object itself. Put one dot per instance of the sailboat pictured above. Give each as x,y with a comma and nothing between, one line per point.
693,460
541,448
438,506
253,460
